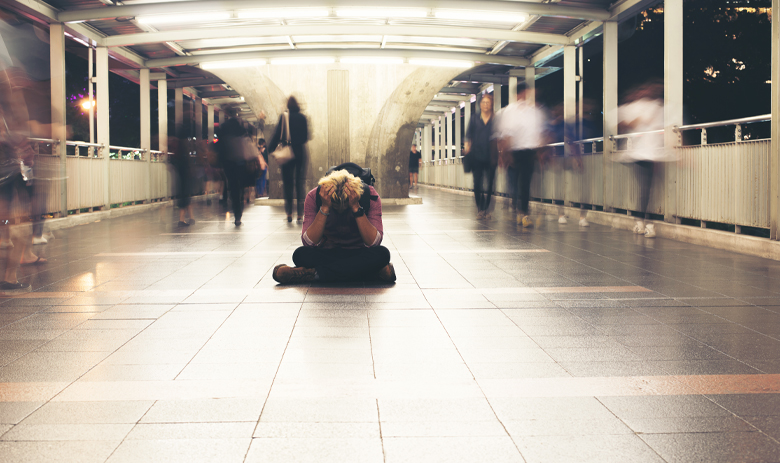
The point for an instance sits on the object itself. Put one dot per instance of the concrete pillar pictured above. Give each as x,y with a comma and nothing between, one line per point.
210,122
467,115
426,153
197,111
146,129
162,114
610,105
58,105
512,90
457,132
103,133
437,139
530,84
673,97
774,176
448,135
496,97
178,113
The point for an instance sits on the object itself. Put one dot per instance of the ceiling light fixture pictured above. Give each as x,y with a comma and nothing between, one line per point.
446,63
381,12
481,15
311,60
284,13
232,64
371,60
185,18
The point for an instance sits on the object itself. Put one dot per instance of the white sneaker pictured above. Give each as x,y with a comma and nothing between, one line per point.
583,222
49,236
39,240
650,231
562,219
6,244
639,228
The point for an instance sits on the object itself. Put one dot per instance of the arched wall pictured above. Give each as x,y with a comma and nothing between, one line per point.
363,113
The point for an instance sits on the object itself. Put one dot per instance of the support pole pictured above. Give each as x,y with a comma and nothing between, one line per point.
457,132
467,115
437,139
197,112
569,115
448,135
162,114
91,92
610,105
496,97
581,93
673,97
530,84
146,129
103,134
178,111
426,156
58,105
512,90
774,175
210,122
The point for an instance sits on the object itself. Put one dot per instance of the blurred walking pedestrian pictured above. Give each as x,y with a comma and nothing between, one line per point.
231,155
415,159
294,170
181,162
482,154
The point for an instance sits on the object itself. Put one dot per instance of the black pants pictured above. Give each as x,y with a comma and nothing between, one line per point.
343,264
524,165
293,179
234,173
646,170
483,171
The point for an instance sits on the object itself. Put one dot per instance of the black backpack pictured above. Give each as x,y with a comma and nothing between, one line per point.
363,174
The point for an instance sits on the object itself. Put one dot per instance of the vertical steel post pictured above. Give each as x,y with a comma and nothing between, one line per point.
178,111
146,129
774,175
162,114
673,98
530,84
512,90
197,113
467,114
497,97
569,114
581,92
458,135
103,133
437,139
610,105
210,122
58,105
91,92
448,135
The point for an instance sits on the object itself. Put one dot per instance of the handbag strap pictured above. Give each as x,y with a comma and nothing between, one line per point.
287,126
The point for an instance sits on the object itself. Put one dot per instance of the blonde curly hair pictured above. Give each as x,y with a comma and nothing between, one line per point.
344,183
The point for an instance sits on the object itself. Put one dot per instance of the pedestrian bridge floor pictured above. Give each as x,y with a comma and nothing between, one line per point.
144,341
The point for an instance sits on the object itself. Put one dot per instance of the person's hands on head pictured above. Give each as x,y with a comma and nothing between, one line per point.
326,195
353,194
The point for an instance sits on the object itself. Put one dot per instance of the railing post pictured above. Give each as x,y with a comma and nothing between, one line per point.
103,134
162,115
673,97
610,85
457,131
738,133
569,113
146,129
703,136
774,171
58,105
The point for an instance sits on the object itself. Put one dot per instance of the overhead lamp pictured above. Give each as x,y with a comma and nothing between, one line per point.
184,18
371,60
87,104
482,15
284,13
232,64
311,60
446,63
381,12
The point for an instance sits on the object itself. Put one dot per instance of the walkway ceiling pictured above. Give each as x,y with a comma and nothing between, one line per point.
185,38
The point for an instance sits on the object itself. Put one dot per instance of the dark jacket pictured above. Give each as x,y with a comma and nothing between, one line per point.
299,132
226,135
483,147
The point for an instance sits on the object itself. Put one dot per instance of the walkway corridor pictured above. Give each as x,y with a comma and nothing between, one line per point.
143,342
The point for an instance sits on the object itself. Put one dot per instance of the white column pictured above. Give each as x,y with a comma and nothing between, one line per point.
103,134
426,154
581,94
58,105
221,117
436,139
210,122
457,132
448,135
197,112
774,176
146,129
162,114
610,105
673,97
496,98
512,90
467,115
178,111
91,93
530,84
569,95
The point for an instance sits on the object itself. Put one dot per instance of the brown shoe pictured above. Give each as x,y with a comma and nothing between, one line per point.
285,274
387,273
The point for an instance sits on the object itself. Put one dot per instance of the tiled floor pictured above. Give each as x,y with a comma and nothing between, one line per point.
147,342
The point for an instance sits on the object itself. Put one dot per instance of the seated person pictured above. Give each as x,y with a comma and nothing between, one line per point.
342,230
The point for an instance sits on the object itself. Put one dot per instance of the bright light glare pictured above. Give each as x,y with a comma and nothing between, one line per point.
381,12
476,15
445,63
283,13
184,18
313,60
371,60
87,104
232,64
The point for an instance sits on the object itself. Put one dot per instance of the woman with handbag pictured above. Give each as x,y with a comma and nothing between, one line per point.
292,130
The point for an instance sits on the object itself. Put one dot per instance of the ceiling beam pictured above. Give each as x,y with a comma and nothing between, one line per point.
334,29
624,8
141,9
467,90
193,82
224,93
337,52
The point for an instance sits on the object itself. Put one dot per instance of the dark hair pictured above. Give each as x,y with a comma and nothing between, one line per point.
261,141
292,105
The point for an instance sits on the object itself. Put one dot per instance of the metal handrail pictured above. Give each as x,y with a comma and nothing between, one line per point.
83,143
125,148
45,140
635,134
707,125
588,140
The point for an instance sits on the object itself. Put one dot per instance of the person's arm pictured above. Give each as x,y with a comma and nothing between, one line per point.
312,233
467,143
277,135
368,232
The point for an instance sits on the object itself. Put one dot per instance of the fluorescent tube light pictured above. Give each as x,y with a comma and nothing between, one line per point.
481,15
371,60
381,12
312,60
283,13
208,16
446,63
232,64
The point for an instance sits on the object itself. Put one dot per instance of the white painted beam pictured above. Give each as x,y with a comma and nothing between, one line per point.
610,105
774,156
673,96
59,129
162,115
103,127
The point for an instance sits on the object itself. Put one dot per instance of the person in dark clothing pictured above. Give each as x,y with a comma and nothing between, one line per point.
261,181
182,165
415,158
232,160
294,171
481,148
